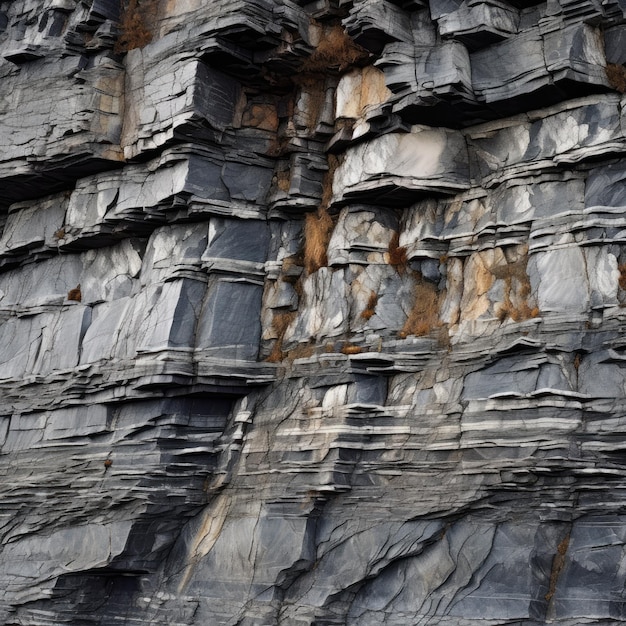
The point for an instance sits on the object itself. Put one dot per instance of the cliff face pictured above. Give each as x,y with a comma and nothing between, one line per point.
312,312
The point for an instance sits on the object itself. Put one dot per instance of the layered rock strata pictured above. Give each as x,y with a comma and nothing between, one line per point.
312,312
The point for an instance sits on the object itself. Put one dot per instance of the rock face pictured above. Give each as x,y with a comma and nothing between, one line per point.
313,313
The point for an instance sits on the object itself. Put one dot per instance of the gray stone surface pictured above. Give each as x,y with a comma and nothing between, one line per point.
312,313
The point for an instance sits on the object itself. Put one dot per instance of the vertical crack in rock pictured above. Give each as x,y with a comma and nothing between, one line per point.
557,566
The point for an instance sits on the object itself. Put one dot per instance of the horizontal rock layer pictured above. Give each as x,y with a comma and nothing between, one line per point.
312,312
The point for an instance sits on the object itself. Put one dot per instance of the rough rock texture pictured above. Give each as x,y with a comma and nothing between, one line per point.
312,313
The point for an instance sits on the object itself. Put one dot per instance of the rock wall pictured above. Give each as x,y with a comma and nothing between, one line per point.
312,313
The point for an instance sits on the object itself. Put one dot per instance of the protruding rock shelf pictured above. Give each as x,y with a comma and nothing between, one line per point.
312,313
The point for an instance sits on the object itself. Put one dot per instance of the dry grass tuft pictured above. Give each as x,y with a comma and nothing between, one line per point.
277,354
350,348
283,180
134,21
424,315
616,75
396,254
370,307
282,320
507,310
336,51
516,313
301,351
318,227
292,261
280,324
75,294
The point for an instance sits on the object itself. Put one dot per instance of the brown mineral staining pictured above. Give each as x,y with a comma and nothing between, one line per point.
374,88
351,349
577,360
616,75
359,90
261,116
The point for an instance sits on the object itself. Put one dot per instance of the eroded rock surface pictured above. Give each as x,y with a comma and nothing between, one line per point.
312,313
